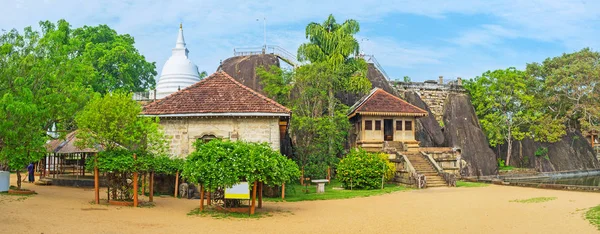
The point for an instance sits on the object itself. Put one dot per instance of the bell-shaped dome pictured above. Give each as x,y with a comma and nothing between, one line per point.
178,72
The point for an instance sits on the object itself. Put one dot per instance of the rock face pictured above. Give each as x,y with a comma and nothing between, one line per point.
462,130
377,81
572,152
243,68
428,131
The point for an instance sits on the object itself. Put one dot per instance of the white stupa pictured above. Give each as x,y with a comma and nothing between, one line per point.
178,72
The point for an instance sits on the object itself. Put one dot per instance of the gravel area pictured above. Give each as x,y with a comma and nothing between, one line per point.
438,210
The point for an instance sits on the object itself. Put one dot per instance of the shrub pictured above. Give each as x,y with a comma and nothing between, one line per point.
541,151
363,170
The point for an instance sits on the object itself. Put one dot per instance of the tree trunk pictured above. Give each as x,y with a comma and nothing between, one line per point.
331,114
18,179
509,150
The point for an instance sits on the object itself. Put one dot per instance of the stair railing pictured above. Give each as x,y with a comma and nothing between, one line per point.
419,180
448,177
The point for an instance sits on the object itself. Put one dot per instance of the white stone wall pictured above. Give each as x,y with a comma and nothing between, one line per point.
183,132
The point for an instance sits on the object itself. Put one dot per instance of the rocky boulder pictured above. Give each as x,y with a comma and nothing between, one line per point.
377,81
572,152
243,68
427,131
462,130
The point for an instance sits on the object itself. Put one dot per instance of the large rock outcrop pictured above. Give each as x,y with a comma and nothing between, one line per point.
462,130
243,68
428,131
572,152
377,81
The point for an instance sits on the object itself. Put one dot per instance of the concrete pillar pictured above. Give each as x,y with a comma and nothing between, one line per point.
441,80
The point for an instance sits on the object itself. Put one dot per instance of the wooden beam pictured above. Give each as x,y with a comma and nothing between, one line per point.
135,186
283,191
176,183
260,192
253,206
151,195
96,180
201,196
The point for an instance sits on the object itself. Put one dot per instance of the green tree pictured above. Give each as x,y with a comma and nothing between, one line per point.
117,63
202,74
222,164
277,83
114,122
39,87
507,109
334,68
571,88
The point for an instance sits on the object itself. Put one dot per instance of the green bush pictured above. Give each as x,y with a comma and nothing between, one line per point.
221,164
541,152
363,170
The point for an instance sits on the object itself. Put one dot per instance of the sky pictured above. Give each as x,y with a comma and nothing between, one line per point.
422,39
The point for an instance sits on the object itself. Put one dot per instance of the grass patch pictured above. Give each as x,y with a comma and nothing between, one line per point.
333,190
465,184
534,200
593,215
506,168
226,215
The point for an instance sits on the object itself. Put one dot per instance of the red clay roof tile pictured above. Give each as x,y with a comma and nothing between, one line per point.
379,100
219,93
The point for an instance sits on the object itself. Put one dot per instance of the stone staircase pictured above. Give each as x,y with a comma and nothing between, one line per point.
424,167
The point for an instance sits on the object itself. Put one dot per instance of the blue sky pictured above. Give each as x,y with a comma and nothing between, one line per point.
421,39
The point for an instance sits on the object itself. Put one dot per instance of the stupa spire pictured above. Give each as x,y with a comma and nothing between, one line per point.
180,40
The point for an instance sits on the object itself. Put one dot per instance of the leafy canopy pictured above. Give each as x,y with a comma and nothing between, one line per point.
113,122
222,164
571,88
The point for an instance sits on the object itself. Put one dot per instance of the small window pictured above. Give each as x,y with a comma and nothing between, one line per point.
377,124
398,125
368,125
408,125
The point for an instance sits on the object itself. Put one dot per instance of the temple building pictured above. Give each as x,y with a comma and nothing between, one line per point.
219,107
381,117
178,72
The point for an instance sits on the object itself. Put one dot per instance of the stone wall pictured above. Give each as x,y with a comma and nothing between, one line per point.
433,93
183,132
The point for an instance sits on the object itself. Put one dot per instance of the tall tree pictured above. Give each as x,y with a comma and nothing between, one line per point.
320,126
118,64
113,121
505,104
571,88
39,87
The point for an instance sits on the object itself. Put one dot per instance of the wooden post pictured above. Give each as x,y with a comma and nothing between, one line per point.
135,186
283,191
151,195
208,201
252,207
176,183
201,196
96,180
260,192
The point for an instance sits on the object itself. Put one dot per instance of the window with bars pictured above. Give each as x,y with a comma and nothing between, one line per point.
398,125
368,125
408,125
377,124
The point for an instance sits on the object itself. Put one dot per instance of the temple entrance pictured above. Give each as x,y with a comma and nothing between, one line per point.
388,129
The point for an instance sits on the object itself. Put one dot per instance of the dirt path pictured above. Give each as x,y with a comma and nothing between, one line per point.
444,210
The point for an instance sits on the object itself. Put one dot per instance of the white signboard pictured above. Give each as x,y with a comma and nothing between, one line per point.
238,191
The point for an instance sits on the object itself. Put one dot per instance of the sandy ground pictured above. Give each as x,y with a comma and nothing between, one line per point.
440,210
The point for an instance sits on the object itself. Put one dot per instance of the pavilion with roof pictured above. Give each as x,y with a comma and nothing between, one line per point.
219,107
381,117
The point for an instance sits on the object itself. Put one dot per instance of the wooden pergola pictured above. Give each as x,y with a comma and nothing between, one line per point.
64,157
